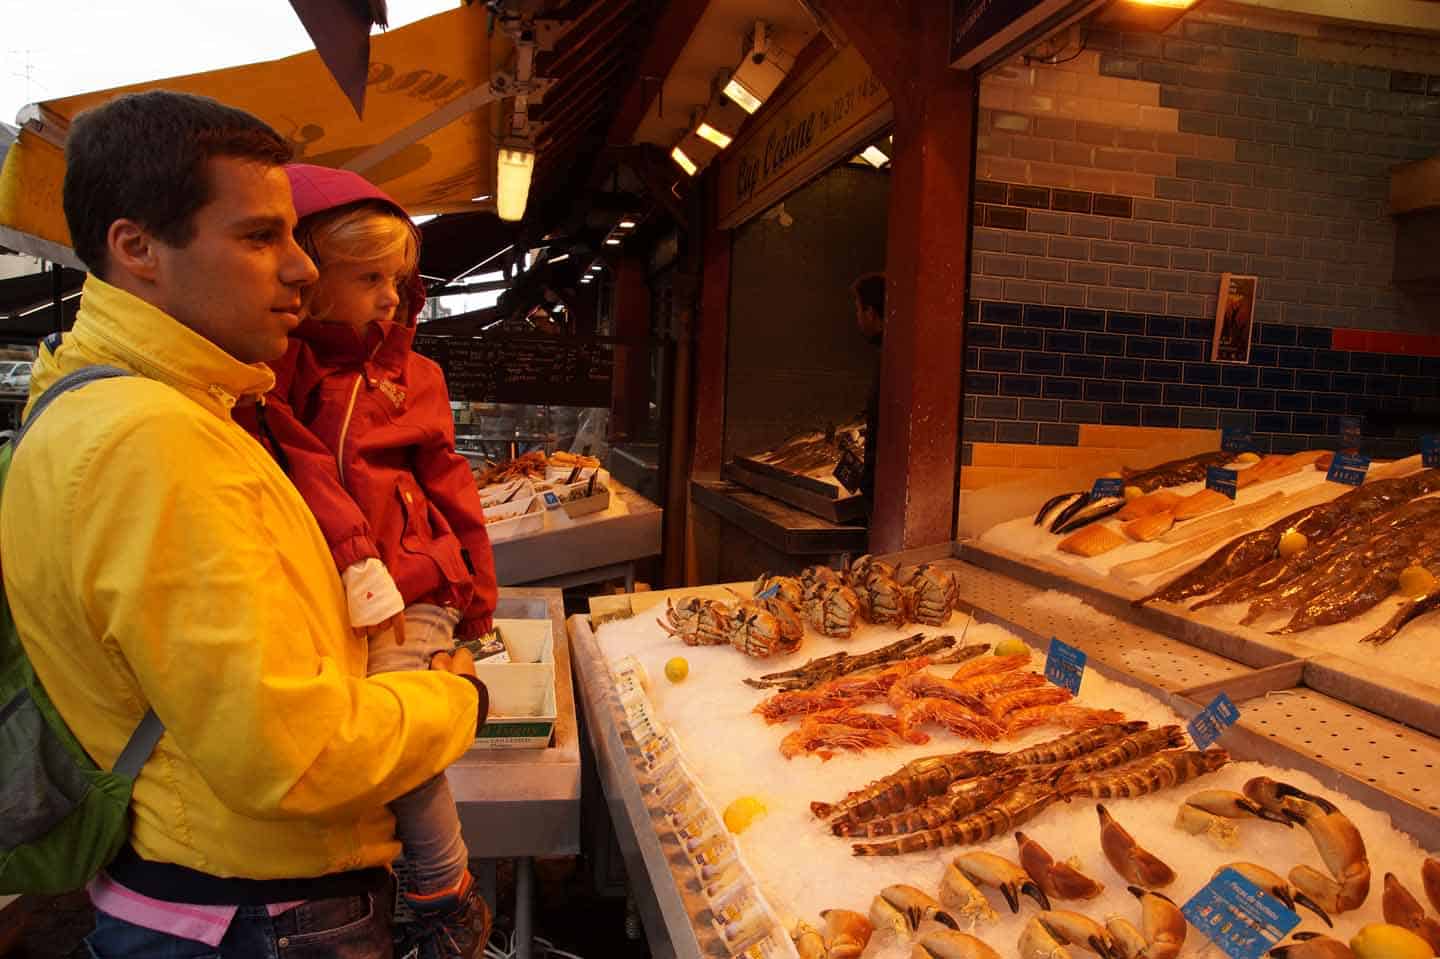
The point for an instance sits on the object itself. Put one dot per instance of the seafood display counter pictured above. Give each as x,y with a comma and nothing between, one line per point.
924,790
1296,567
570,551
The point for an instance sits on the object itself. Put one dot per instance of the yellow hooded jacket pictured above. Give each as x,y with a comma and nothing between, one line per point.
155,555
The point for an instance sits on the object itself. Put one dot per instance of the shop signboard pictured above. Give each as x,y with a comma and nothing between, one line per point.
832,113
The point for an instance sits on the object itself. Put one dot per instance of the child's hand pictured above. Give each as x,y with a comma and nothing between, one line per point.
396,623
461,662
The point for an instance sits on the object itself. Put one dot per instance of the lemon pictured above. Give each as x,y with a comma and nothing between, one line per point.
1417,582
1380,940
1133,492
1011,646
1293,542
1247,459
676,669
742,812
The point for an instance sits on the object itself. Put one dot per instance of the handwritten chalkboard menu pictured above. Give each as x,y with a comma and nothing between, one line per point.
538,370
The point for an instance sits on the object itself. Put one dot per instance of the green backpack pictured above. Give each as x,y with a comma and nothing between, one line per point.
62,818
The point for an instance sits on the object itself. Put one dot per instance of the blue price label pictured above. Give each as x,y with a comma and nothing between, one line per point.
1236,439
1238,916
1348,468
1221,480
1430,449
552,501
1065,665
1107,488
1350,432
1211,722
768,592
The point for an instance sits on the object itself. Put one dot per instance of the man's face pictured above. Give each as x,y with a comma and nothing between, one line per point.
239,279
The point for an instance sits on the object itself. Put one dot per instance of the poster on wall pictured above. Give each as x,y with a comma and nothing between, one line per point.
1234,319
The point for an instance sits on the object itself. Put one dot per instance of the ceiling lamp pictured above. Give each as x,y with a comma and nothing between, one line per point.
516,165
612,241
1142,16
707,132
560,258
626,224
759,73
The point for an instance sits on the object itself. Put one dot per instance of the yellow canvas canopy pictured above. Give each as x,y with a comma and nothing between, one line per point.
414,71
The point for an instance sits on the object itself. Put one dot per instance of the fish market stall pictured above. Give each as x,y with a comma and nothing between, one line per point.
1298,565
739,803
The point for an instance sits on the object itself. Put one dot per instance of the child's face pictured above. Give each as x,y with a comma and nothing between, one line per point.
360,293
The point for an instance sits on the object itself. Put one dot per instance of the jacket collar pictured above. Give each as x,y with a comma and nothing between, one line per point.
384,345
116,327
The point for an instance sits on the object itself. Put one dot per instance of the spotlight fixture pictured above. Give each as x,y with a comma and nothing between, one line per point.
481,198
612,241
759,73
707,132
559,259
874,156
596,268
683,160
626,224
585,279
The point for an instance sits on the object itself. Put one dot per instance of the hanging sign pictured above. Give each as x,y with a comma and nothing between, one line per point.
1211,722
1221,480
828,115
1065,665
1238,916
1348,468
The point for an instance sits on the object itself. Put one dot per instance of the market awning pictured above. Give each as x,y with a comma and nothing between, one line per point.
416,73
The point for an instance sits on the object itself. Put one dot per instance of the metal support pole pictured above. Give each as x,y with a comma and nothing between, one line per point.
524,906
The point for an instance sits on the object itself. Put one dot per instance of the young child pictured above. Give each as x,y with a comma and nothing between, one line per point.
362,426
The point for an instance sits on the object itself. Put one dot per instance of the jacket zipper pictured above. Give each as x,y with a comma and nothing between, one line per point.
345,426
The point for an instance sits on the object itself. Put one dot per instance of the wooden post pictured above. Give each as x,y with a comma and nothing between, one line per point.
631,389
906,44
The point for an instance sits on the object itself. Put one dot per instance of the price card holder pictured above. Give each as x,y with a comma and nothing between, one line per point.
1350,432
1065,665
1236,439
1107,488
1221,480
1430,449
1239,917
1211,722
1348,468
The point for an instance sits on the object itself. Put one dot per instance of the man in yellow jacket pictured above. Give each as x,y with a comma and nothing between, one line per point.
157,557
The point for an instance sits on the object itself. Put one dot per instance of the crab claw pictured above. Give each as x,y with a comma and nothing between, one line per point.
1312,945
1075,929
989,869
1403,909
1137,865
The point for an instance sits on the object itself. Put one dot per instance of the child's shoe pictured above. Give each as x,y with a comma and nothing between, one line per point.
454,924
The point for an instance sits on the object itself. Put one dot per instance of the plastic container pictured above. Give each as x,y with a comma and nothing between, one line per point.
532,521
522,694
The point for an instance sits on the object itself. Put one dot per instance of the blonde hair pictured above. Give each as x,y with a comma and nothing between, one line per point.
356,234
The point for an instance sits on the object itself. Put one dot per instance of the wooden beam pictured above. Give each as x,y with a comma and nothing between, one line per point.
926,263
677,23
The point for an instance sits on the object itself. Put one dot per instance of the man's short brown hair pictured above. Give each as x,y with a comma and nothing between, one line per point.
145,157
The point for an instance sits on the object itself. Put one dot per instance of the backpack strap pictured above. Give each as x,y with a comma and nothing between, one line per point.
66,383
147,734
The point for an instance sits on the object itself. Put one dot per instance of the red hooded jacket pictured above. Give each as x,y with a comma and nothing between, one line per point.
367,432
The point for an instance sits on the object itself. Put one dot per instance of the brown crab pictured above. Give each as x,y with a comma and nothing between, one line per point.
832,611
934,593
698,622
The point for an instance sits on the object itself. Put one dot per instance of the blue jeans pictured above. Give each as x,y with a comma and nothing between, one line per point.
347,927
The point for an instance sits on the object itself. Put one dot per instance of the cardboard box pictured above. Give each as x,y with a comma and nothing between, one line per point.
522,693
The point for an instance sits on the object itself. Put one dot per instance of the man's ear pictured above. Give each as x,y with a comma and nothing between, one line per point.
131,249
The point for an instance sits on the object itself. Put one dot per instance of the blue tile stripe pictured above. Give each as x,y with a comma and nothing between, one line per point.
1051,369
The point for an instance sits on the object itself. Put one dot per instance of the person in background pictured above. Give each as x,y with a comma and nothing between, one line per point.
362,425
155,556
869,291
